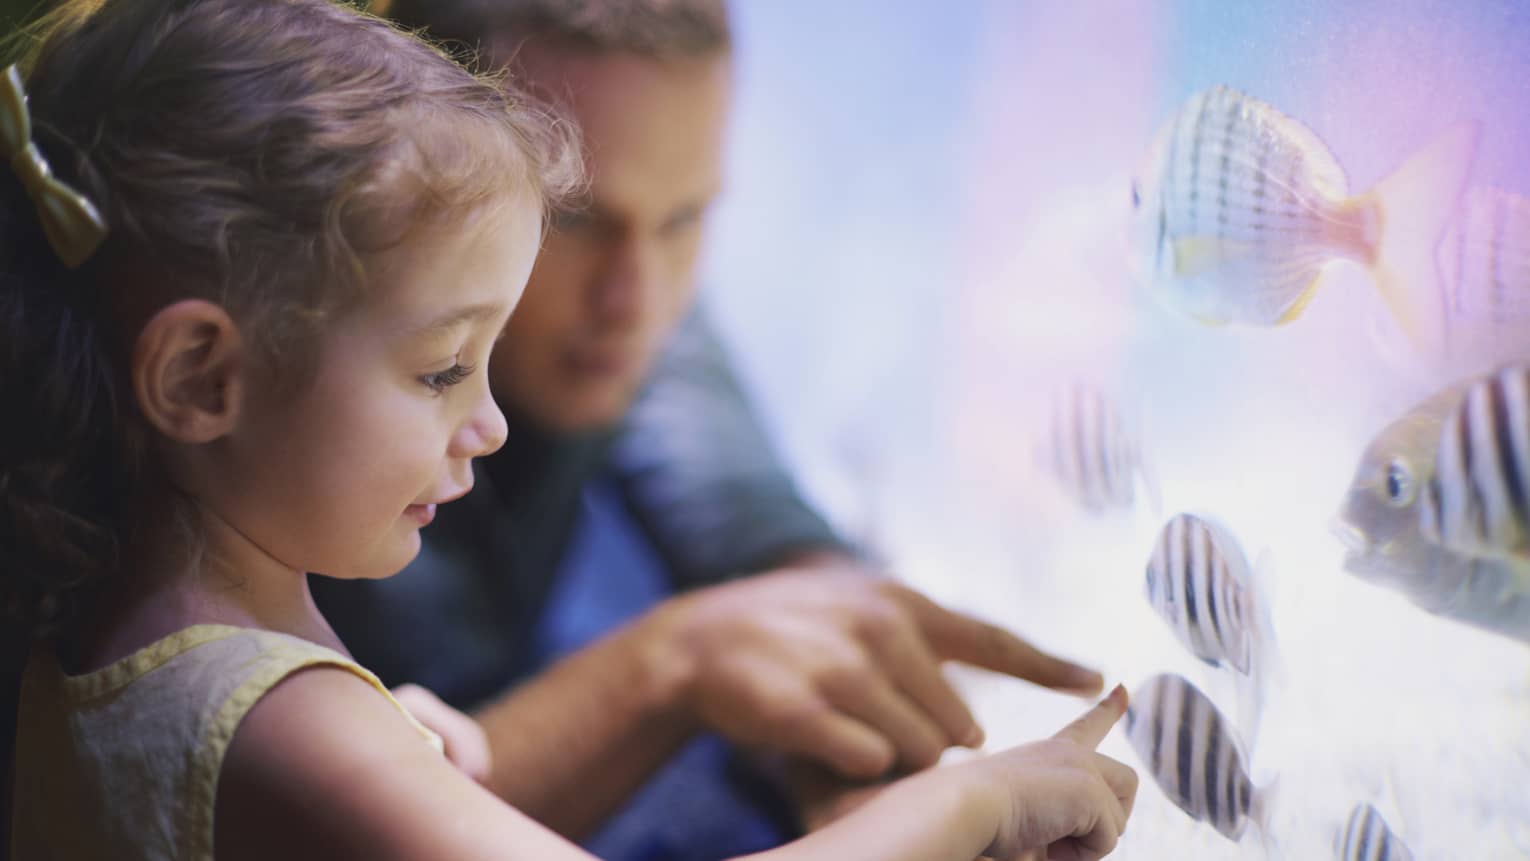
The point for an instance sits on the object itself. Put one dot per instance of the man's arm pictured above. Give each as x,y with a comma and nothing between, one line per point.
699,472
572,744
831,665
816,659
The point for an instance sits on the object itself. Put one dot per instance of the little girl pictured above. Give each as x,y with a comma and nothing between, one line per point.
255,255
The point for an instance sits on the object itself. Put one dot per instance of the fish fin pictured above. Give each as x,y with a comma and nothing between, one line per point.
1406,812
1197,255
1389,341
1260,808
1302,300
1264,586
1416,205
1193,255
1265,665
1250,705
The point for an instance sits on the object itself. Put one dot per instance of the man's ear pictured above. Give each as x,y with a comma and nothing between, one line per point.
188,371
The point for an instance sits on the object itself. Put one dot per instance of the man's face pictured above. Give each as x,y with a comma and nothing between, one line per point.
614,277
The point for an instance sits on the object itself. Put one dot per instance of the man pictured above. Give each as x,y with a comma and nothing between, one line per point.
634,458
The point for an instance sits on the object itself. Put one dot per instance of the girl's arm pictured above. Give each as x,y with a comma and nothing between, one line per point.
324,768
1057,797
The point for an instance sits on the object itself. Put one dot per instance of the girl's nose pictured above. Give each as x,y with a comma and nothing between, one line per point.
484,431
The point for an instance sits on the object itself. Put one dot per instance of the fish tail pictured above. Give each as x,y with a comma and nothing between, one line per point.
1261,806
1250,706
1263,583
1264,663
1414,207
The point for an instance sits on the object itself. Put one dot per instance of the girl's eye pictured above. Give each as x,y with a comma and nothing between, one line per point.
440,382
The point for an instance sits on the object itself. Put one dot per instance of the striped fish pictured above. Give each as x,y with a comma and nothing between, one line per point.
1366,837
1239,209
1380,526
1485,276
1193,756
1478,497
1091,452
1199,581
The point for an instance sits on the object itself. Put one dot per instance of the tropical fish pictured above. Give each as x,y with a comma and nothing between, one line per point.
1240,208
1193,755
1092,453
1484,264
1199,581
1366,837
1476,499
1379,525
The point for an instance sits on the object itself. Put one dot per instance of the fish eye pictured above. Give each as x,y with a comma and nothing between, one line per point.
1136,196
1400,486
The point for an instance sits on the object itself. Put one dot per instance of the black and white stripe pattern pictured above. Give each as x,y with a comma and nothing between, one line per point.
1366,837
1191,752
1380,524
1485,261
1258,196
1477,501
1196,580
1092,454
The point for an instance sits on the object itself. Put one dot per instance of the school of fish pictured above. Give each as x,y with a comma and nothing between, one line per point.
1238,211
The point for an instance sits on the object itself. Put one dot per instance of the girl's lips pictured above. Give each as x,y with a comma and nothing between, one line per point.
426,512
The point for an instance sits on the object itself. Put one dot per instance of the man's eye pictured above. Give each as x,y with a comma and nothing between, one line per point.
682,222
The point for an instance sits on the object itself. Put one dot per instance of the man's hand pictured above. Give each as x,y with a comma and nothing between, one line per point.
837,665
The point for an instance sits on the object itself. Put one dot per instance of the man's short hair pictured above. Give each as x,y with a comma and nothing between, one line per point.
660,29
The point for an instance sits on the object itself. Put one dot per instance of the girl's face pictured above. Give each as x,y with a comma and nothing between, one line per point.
339,479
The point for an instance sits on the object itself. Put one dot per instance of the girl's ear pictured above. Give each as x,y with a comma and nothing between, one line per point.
188,371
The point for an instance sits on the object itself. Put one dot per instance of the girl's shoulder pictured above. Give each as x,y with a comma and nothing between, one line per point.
156,725
198,660
326,756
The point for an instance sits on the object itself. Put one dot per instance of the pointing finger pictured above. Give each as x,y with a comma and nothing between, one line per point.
1091,728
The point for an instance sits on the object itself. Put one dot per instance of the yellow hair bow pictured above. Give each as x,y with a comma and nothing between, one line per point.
73,226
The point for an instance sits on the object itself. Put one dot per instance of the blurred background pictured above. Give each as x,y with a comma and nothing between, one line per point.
924,236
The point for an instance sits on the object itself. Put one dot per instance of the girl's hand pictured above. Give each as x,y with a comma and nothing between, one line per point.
1065,801
467,747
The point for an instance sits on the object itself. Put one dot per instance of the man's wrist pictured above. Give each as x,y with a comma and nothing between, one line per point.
663,671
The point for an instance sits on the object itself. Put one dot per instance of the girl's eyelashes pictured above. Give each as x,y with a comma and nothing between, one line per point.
443,380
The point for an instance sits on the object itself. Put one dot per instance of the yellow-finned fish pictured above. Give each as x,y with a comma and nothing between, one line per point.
1239,209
